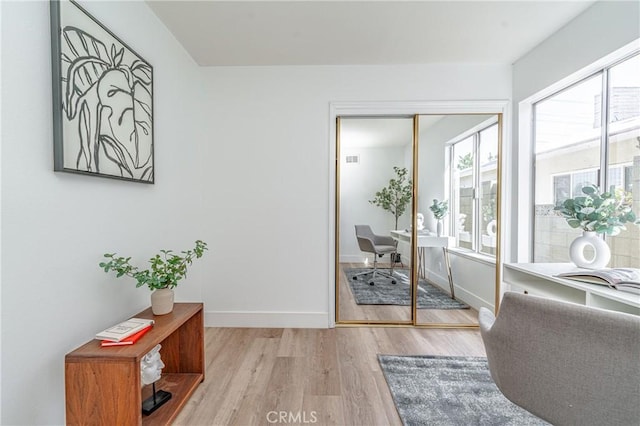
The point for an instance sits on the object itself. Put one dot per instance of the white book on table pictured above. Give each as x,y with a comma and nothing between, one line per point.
124,329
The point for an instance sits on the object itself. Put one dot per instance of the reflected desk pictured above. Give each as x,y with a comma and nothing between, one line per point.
428,239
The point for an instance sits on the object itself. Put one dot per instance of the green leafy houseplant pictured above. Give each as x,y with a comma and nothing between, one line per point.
396,196
439,208
167,268
603,213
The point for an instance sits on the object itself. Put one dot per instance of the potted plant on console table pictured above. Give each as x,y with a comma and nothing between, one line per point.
167,268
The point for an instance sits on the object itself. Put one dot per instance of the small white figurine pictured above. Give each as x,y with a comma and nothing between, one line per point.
151,366
420,221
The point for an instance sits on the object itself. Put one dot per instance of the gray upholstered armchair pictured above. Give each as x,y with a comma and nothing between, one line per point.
567,364
379,245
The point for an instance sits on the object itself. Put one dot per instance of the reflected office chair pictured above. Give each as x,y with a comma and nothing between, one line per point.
379,245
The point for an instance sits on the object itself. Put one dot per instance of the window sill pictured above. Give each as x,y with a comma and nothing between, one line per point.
478,257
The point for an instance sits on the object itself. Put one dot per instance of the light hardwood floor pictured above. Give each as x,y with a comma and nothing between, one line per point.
349,310
315,376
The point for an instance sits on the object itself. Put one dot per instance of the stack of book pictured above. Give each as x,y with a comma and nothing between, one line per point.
126,333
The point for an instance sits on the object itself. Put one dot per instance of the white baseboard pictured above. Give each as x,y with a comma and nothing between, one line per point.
462,294
473,300
266,319
439,280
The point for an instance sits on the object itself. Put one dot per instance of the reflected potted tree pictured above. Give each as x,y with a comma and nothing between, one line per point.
395,197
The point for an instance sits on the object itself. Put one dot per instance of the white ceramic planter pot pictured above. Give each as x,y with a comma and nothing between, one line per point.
492,228
602,253
162,301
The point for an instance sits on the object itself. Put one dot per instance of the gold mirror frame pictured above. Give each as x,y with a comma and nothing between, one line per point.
366,322
498,108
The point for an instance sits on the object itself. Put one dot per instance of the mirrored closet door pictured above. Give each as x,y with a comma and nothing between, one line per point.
374,199
417,218
456,193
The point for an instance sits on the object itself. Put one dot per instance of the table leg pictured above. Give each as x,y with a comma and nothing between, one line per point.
445,252
421,263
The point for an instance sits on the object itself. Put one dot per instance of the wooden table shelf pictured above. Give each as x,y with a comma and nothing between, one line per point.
103,385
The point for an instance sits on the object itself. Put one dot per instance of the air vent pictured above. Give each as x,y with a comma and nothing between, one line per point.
353,159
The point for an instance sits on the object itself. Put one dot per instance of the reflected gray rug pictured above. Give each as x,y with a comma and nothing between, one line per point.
449,391
385,293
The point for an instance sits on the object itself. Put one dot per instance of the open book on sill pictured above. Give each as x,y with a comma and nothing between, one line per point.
623,279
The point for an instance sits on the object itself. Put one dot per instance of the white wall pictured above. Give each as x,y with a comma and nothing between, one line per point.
56,226
269,197
598,31
358,184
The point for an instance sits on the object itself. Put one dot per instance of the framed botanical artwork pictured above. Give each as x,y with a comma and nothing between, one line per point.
102,99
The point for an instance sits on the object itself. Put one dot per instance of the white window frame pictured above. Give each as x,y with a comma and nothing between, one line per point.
476,229
525,157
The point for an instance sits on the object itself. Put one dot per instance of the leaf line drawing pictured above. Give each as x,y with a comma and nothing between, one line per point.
107,106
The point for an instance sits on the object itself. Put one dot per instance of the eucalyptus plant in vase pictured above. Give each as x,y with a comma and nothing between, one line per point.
167,268
596,213
439,210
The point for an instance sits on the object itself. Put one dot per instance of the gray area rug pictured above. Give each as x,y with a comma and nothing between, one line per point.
385,293
449,391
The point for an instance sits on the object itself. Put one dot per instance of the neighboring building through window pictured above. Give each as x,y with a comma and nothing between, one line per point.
474,187
570,185
573,142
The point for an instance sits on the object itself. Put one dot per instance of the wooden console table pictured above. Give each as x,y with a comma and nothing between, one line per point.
103,385
539,279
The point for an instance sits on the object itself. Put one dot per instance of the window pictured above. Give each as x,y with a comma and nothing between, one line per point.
587,133
474,189
570,185
561,188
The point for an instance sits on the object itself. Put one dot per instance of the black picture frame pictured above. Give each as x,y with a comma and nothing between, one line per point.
102,99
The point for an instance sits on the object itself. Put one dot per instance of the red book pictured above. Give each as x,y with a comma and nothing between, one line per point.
128,341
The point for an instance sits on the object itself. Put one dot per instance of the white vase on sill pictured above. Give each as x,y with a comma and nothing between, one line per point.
439,228
602,253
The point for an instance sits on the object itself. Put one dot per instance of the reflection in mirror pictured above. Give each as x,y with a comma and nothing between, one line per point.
374,197
457,164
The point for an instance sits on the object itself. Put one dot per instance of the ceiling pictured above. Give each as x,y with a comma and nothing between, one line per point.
304,32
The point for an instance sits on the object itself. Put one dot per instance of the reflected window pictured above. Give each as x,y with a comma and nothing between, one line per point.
474,188
463,183
487,170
